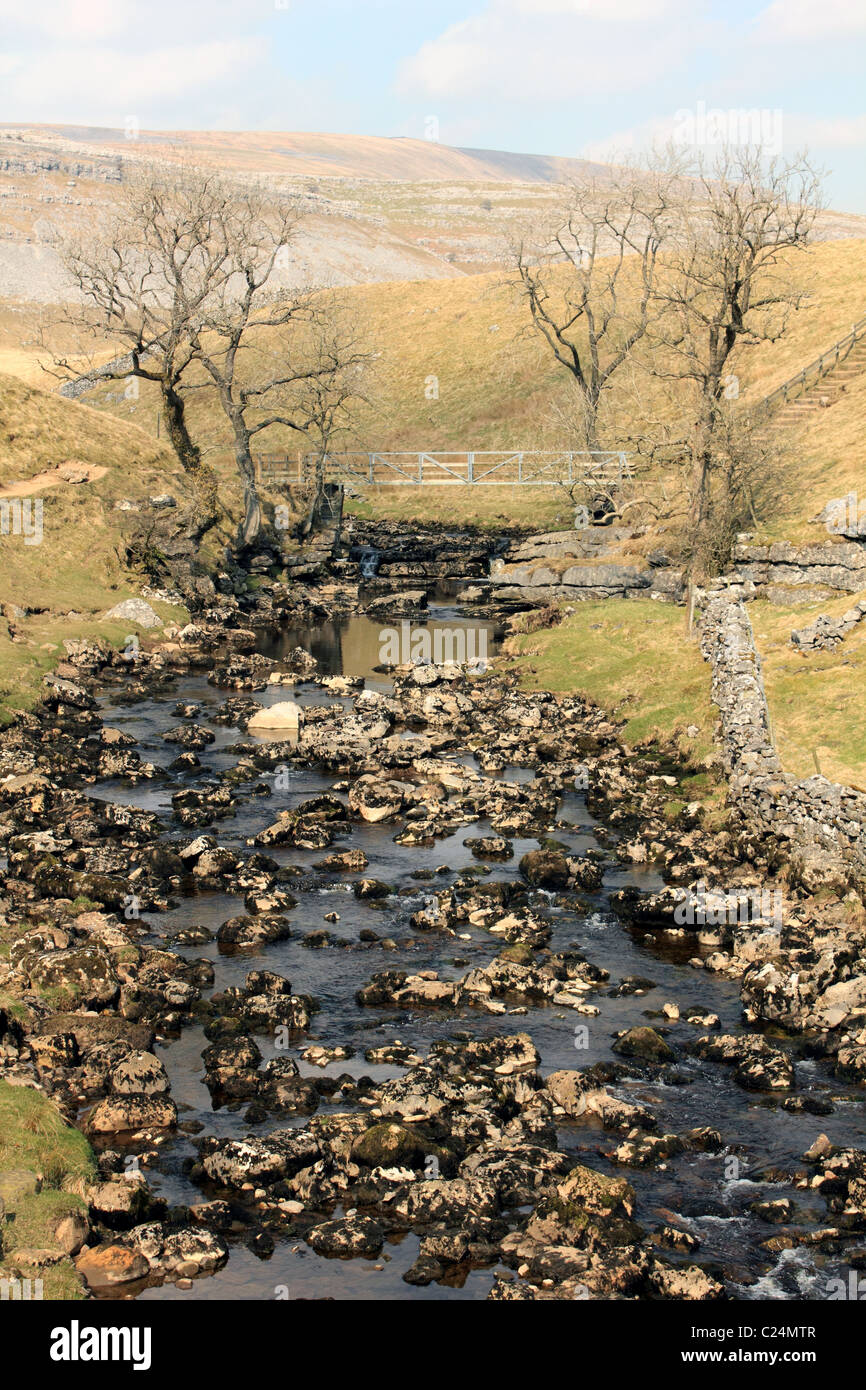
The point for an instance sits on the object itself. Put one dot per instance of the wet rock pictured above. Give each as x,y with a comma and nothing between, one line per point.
757,1065
232,1069
240,933
545,869
645,1044
186,1253
121,1202
390,1146
347,1237
126,1113
111,1266
140,1073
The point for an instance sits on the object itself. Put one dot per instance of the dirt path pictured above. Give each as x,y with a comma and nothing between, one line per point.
51,478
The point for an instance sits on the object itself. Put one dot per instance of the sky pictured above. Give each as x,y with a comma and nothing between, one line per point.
592,78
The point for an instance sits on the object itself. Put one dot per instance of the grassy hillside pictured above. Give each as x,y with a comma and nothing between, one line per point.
816,701
44,1165
66,582
636,659
458,366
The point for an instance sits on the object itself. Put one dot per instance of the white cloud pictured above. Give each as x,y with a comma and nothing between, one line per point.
580,47
105,85
613,12
826,133
804,21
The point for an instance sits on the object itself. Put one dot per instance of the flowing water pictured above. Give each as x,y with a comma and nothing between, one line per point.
696,1189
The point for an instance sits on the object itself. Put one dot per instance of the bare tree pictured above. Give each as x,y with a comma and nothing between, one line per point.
141,283
273,359
589,282
326,399
728,280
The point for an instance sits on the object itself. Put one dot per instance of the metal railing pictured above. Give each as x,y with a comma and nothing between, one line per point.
451,468
813,373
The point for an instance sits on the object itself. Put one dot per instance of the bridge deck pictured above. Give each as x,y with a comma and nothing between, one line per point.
478,468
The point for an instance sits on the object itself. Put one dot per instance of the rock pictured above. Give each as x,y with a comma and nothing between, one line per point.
140,1073
84,974
134,610
122,1114
70,1232
757,1065
110,1265
545,868
645,1044
240,932
120,1202
406,604
390,1146
347,1237
690,1283
187,1253
285,715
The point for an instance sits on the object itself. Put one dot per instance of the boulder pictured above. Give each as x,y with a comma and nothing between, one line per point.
286,715
134,610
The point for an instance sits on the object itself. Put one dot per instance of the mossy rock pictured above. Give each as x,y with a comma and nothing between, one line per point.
391,1145
645,1044
519,953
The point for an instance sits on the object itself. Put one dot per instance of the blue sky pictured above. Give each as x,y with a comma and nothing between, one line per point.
568,77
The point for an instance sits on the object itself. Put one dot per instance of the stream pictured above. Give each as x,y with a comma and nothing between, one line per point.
696,1191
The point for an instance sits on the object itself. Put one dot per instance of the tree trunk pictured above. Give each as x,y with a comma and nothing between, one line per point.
314,511
188,452
250,528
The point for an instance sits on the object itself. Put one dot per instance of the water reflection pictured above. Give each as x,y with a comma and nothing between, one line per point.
357,645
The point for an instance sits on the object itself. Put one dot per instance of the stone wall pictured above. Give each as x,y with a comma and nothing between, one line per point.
820,824
535,570
836,565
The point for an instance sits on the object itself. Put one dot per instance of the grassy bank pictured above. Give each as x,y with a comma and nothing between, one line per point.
633,657
536,508
816,701
62,586
44,1164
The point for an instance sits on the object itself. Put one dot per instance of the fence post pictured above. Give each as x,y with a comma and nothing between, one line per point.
470,468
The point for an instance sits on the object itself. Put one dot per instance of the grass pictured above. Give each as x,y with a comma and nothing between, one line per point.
815,700
34,1138
490,508
634,658
70,580
23,664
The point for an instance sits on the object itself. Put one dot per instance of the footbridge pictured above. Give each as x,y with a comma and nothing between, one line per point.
454,468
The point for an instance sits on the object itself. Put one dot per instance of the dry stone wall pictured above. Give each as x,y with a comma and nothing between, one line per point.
822,824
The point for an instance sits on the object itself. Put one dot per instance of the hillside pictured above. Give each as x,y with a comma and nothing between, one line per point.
61,587
302,153
470,341
374,209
